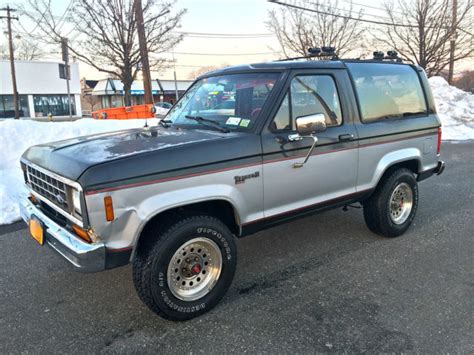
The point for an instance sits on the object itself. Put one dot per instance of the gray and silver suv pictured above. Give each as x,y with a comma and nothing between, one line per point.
245,148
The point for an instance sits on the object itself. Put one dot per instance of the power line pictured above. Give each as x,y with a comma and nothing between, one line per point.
344,16
226,35
223,54
393,24
191,66
360,13
63,17
369,6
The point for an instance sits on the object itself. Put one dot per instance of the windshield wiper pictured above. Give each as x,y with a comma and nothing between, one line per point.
165,123
208,122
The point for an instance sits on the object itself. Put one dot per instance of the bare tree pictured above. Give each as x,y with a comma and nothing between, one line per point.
297,30
426,30
465,81
90,100
203,70
105,34
24,49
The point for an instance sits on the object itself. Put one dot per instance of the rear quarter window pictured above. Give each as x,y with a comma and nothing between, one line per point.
387,91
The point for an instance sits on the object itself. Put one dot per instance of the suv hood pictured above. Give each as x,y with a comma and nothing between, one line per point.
137,152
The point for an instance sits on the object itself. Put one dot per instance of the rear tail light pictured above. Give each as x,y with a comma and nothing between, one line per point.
439,140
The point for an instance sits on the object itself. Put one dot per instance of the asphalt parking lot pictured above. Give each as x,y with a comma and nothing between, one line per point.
323,283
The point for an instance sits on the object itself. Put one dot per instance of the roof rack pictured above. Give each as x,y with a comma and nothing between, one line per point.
316,52
330,53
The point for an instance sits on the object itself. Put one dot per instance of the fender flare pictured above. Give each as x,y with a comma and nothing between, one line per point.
160,203
393,158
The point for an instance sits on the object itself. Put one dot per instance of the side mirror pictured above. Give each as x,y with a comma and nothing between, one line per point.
311,124
308,126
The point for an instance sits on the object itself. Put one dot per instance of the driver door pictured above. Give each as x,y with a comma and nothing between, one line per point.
330,173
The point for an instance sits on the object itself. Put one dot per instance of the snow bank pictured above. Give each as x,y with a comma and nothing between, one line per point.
455,109
17,136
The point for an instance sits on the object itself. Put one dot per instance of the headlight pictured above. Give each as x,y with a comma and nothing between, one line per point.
76,201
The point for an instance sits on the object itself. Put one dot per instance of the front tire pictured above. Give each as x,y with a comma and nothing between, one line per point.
391,209
186,270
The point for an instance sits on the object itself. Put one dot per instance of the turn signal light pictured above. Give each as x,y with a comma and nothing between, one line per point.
81,233
109,209
33,199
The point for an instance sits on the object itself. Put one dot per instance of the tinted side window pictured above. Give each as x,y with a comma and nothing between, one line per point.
309,94
312,94
387,91
282,120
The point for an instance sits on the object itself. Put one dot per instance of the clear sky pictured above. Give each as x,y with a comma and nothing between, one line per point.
211,16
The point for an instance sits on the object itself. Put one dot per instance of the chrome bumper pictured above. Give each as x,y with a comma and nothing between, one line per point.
440,168
83,256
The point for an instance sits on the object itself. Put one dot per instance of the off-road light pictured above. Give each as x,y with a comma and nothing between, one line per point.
378,55
328,49
314,51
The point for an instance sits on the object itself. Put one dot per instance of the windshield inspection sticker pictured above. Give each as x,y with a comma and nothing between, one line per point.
244,123
234,121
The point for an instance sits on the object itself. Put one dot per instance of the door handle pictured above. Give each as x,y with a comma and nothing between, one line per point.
346,137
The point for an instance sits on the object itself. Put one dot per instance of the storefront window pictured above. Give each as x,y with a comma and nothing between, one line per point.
7,109
57,105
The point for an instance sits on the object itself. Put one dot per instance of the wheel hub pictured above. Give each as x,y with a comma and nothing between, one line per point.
194,269
401,203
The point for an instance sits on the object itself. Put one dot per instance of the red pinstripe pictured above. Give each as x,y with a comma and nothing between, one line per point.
157,181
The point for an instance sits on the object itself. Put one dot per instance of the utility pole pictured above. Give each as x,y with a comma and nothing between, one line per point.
65,55
148,95
454,26
174,74
9,19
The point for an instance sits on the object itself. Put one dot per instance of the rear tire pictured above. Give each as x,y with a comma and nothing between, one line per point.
392,207
187,269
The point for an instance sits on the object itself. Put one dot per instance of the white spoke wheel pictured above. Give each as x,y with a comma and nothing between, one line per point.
194,269
401,202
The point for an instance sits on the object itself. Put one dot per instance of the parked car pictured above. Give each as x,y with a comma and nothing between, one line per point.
165,105
300,137
162,108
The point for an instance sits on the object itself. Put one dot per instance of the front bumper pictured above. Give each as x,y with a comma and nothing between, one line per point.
83,256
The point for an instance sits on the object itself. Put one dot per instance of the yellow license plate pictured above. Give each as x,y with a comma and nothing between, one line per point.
37,230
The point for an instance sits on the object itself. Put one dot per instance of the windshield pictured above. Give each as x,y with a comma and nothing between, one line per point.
233,101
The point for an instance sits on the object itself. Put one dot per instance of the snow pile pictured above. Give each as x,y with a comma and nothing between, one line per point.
17,136
455,109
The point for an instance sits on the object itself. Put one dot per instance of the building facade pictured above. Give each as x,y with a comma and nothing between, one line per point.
111,92
41,91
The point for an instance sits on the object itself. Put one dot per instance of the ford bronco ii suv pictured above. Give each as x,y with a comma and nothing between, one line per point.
246,148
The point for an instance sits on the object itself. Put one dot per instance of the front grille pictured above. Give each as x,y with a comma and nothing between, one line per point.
48,187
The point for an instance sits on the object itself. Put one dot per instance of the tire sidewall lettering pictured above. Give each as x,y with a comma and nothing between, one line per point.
223,244
161,289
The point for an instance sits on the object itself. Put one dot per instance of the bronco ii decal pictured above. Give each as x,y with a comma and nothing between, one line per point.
241,179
